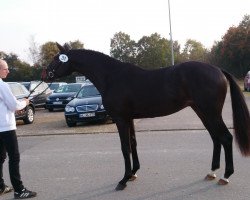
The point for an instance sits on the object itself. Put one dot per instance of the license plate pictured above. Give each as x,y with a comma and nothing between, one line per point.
57,103
87,115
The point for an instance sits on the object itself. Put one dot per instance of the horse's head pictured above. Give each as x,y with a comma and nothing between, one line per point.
60,65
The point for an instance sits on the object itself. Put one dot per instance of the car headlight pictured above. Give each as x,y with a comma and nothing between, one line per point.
101,107
69,98
69,109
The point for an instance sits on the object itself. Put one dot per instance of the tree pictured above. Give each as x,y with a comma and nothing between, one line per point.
77,44
149,52
34,51
153,51
47,53
194,50
19,70
232,53
2,55
123,48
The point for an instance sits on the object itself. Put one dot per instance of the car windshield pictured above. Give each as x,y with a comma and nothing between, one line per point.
26,84
87,91
68,88
18,90
54,86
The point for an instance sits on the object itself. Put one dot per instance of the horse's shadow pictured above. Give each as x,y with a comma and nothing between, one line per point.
173,193
97,193
181,191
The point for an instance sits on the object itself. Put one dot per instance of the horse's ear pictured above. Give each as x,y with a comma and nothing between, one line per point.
61,48
67,47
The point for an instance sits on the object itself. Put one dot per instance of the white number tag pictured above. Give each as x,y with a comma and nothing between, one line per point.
63,58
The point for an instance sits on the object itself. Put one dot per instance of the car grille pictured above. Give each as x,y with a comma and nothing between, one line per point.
87,108
59,98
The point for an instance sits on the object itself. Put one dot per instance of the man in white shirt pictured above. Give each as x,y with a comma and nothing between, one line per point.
8,139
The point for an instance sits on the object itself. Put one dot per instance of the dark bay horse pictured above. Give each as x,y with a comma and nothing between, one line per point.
129,92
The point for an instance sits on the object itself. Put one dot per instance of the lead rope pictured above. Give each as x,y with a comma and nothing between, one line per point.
32,91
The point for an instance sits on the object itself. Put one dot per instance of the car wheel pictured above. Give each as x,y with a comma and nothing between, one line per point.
70,124
29,118
50,109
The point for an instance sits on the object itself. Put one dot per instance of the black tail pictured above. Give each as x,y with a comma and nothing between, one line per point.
241,118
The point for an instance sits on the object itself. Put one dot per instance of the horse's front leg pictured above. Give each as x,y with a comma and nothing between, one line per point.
133,143
123,129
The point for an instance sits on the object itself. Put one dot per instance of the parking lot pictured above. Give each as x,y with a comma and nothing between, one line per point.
53,123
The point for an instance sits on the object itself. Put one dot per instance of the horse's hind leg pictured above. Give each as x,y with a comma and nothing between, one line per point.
226,140
220,136
215,159
133,143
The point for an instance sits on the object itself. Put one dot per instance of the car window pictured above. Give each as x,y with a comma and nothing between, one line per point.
69,88
27,85
54,86
87,91
40,87
18,90
32,86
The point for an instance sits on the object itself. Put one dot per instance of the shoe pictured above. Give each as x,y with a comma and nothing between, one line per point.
5,190
24,194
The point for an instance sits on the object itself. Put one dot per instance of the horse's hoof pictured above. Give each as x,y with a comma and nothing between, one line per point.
133,177
120,187
223,181
210,177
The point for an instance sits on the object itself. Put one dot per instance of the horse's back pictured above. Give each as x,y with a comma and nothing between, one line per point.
198,76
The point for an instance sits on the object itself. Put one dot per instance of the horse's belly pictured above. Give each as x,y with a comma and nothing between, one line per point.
157,111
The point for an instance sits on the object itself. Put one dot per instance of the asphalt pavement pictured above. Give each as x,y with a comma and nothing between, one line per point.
88,167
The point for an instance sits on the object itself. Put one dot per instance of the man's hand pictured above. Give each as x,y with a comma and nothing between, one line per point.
27,101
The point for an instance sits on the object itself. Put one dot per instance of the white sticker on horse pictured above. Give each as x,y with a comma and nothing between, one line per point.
63,58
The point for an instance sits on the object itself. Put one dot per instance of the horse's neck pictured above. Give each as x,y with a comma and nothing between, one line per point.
95,69
98,81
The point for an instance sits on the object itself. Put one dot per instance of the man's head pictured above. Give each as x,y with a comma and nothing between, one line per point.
4,70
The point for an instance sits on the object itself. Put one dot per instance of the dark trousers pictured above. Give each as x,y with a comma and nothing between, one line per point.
9,144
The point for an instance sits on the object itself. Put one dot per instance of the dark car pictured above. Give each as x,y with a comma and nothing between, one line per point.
63,95
39,93
247,82
86,107
20,92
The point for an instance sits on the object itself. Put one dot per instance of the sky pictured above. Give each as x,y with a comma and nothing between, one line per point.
94,22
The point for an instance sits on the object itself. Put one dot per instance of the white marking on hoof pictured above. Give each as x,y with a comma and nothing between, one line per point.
133,177
223,181
210,176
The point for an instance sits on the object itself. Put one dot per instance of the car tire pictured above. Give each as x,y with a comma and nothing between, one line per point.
29,118
70,124
50,109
